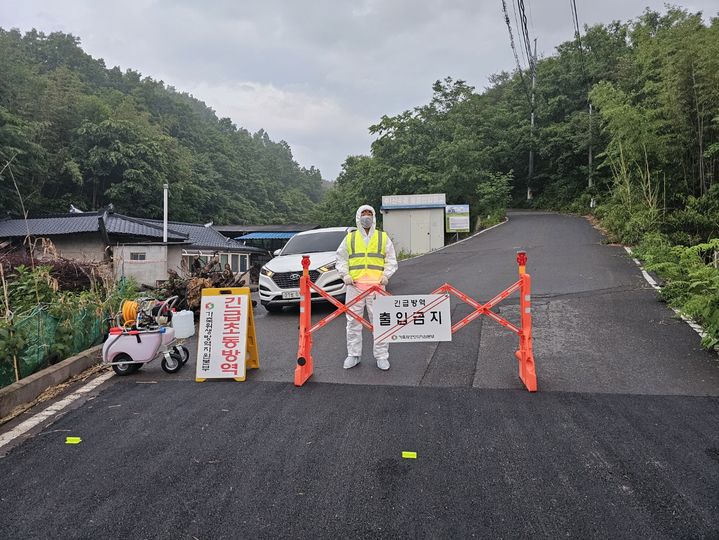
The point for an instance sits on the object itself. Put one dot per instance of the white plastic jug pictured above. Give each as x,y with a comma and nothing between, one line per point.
184,324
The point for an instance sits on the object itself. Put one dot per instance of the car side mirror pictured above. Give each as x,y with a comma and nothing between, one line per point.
276,252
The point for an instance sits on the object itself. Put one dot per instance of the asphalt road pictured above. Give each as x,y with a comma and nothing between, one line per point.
622,440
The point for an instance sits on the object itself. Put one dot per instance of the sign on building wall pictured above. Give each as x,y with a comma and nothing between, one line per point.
457,218
227,344
423,199
412,318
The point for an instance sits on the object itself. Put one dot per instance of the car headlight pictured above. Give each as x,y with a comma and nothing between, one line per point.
265,272
328,267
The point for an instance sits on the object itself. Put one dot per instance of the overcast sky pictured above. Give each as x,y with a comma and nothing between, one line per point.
316,73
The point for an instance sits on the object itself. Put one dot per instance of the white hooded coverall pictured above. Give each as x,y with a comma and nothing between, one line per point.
354,328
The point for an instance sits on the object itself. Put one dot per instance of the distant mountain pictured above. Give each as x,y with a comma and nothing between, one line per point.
83,134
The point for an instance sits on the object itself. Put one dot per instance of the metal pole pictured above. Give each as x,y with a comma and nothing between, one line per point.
591,180
531,129
165,187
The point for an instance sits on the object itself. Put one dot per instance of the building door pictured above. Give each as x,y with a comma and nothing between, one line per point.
420,231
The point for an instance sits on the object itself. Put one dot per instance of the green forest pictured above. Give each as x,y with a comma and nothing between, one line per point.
653,84
83,134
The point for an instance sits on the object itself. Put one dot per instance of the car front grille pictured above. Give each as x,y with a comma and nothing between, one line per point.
291,280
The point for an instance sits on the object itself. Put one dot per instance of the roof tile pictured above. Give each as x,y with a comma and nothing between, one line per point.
199,236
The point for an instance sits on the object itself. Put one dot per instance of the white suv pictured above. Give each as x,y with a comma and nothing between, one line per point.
280,277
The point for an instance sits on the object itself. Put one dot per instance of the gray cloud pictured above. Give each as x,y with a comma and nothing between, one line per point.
314,73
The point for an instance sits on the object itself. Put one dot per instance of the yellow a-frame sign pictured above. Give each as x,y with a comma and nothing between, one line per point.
227,343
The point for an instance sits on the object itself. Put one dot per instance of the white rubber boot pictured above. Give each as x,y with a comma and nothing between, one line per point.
351,361
383,364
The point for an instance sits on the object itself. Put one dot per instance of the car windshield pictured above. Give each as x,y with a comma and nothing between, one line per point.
314,243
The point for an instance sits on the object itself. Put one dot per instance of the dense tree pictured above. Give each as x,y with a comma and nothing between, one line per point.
661,117
88,135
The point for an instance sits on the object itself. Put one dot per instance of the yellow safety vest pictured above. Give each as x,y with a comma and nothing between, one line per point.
366,261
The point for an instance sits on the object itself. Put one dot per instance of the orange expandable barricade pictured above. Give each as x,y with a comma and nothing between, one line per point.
524,354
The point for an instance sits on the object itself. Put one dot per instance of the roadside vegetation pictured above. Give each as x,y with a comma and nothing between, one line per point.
660,117
692,279
51,310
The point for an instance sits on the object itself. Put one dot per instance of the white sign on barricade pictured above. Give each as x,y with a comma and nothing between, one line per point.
412,318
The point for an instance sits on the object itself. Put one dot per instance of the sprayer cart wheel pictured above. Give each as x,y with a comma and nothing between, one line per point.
172,362
183,352
124,369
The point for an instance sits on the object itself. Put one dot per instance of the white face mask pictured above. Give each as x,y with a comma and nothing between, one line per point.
366,221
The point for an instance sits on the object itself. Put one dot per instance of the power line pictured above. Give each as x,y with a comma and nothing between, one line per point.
578,38
525,33
520,17
516,24
514,49
575,20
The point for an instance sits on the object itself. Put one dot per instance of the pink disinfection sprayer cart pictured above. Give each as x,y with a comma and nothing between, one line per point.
144,330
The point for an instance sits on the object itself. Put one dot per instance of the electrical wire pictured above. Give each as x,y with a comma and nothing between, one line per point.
524,33
578,39
517,26
575,21
514,49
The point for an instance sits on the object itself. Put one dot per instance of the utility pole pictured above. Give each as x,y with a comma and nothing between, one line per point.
590,180
531,128
165,187
590,183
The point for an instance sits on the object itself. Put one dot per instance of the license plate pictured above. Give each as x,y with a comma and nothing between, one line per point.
290,294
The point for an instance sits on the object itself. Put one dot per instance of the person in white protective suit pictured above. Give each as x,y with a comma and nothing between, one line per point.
365,257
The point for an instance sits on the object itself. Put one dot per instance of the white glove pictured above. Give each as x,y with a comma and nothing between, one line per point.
348,280
384,280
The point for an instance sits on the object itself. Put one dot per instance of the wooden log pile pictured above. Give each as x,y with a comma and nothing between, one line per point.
211,275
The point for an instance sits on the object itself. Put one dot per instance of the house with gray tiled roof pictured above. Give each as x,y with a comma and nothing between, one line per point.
134,246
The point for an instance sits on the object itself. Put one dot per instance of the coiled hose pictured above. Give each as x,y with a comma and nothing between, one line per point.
129,310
